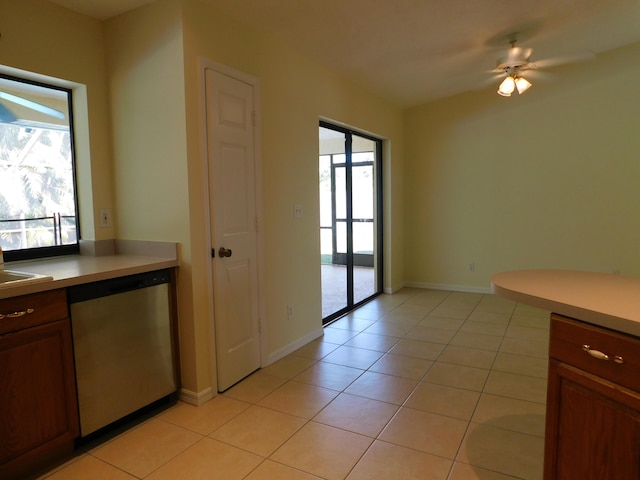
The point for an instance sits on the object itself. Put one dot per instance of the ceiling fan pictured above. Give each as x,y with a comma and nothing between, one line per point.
518,61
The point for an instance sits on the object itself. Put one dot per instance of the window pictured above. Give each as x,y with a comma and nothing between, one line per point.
38,206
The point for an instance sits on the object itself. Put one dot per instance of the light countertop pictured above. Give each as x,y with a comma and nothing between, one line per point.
71,270
608,300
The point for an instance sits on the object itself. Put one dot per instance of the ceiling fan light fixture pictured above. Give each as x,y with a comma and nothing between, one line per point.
522,84
507,87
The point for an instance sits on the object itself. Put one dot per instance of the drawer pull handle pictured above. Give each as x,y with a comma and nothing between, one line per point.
16,314
601,355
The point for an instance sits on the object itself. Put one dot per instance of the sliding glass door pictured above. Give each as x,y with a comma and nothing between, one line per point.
350,219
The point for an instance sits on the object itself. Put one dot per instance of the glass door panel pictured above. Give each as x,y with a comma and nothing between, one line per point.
349,207
364,203
364,275
333,233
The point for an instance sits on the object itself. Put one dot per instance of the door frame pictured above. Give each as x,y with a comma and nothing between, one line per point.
204,65
378,260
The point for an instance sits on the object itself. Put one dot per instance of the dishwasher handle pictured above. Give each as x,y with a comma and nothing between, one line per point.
115,286
125,285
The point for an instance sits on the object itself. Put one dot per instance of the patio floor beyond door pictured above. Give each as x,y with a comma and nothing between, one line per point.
332,289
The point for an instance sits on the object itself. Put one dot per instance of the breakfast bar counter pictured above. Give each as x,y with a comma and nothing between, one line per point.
603,299
592,427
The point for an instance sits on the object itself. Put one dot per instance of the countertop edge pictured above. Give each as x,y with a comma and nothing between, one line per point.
77,269
598,317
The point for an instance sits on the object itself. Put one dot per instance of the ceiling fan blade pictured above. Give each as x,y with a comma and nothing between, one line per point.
492,80
517,54
537,75
32,105
554,62
514,52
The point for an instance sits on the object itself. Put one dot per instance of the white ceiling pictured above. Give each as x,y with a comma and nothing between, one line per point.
414,51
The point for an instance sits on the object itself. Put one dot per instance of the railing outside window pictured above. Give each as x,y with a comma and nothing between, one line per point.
23,233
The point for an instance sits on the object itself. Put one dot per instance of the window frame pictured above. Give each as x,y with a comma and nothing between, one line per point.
53,250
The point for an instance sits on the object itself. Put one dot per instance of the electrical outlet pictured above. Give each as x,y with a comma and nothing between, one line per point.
297,211
289,312
472,266
105,217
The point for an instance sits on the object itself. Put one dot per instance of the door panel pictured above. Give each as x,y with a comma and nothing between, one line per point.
233,219
364,237
233,159
238,334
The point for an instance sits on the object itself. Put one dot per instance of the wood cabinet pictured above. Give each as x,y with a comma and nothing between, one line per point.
38,404
593,403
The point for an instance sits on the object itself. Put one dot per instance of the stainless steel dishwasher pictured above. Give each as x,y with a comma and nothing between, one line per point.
123,346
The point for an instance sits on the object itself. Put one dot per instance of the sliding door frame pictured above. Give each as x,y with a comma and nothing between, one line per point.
378,219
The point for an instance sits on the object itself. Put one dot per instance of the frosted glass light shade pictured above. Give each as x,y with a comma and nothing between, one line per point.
522,84
507,86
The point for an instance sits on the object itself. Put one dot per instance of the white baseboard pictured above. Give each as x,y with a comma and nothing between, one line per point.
394,288
292,347
453,288
196,398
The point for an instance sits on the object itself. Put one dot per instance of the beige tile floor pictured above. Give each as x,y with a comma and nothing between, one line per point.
422,384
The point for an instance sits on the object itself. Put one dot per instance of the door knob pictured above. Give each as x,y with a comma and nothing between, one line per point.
223,252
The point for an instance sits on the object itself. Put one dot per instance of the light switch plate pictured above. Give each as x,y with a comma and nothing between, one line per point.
105,217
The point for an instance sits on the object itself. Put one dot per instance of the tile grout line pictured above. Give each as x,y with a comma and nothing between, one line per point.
468,426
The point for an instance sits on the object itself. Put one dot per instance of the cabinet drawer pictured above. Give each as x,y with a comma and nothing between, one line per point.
25,311
582,345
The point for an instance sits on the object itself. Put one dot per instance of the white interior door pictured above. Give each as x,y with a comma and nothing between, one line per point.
230,147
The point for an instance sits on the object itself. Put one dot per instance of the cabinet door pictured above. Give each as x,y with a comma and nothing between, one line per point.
593,427
38,405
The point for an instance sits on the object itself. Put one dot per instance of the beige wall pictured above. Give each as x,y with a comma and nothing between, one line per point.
295,94
140,148
151,185
548,179
544,180
153,58
50,41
